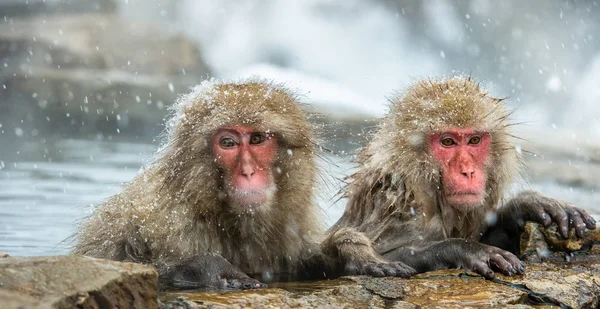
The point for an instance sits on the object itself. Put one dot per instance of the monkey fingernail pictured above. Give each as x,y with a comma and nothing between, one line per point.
546,221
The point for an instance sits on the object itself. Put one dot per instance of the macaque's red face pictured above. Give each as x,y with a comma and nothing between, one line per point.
246,157
462,154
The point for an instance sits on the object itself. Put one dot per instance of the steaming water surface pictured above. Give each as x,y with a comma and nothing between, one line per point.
48,187
41,201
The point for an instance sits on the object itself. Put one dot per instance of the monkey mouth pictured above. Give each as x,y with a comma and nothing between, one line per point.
463,193
250,197
465,199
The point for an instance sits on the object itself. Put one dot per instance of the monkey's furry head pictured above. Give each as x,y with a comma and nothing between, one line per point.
436,105
186,164
256,103
433,106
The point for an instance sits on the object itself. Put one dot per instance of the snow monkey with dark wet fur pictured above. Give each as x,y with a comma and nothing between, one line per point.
431,184
229,196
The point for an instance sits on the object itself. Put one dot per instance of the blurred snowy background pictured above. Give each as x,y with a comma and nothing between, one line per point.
85,84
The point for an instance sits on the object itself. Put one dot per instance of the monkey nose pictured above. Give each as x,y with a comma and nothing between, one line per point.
248,173
468,173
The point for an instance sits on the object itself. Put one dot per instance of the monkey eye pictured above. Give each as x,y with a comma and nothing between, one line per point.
447,142
475,140
227,142
257,138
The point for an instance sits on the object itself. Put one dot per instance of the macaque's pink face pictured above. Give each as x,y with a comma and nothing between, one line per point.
462,154
246,157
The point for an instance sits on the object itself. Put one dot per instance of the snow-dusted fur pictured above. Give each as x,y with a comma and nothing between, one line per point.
174,209
398,185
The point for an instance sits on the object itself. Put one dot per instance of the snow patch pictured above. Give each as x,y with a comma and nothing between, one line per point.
318,91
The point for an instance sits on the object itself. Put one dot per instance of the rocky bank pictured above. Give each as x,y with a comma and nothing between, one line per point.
554,278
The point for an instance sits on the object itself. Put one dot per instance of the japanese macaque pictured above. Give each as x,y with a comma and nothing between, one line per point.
229,197
431,184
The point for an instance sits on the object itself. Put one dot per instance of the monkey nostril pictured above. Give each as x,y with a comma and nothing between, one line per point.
468,174
248,174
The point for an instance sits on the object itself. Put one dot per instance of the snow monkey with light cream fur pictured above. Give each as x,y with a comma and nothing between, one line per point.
229,196
431,183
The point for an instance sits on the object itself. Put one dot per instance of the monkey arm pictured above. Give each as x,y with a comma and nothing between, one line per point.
351,253
457,253
110,234
122,240
202,271
532,206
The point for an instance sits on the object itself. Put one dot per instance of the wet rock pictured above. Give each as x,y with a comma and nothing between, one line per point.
447,289
66,282
3,255
326,294
546,244
75,281
573,286
12,300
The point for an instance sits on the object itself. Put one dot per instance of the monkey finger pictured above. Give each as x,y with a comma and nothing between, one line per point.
388,269
590,222
542,217
483,269
561,218
516,263
403,270
576,222
245,284
563,225
374,270
502,264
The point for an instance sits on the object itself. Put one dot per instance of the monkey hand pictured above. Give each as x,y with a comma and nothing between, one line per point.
379,269
545,210
355,252
205,270
483,259
243,283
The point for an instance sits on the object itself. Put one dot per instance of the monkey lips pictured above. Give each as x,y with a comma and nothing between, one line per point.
466,199
250,196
